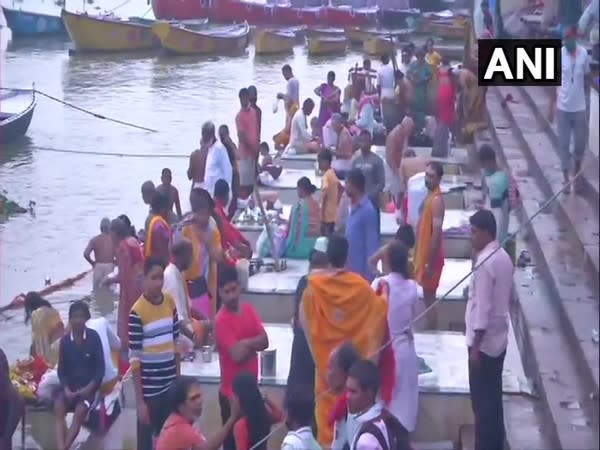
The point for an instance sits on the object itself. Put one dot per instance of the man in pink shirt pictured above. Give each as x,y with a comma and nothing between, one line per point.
487,324
246,123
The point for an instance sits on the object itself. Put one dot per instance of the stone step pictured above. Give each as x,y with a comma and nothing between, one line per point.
553,320
538,99
537,142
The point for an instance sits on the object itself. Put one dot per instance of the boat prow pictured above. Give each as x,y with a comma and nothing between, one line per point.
108,34
28,23
267,42
16,112
181,40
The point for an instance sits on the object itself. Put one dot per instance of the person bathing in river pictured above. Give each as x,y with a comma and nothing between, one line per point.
231,148
148,190
329,94
80,372
46,328
304,223
12,405
104,253
158,236
167,188
130,262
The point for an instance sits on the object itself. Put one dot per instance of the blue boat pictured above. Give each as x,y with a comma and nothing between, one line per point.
23,23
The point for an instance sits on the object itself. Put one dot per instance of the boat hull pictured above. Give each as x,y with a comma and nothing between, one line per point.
91,34
456,30
267,42
23,23
14,126
379,45
181,41
326,45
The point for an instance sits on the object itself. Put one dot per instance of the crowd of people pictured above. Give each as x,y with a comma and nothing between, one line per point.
353,379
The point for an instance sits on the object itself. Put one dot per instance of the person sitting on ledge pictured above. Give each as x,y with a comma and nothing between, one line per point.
266,162
301,139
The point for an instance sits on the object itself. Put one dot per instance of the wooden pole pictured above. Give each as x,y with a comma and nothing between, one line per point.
267,227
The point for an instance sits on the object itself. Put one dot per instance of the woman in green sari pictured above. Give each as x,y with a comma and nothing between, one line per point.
304,222
419,74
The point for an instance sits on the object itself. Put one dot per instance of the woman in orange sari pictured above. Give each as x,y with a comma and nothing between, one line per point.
130,263
201,229
282,139
158,236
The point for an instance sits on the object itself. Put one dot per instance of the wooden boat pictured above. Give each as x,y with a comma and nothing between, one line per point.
108,33
324,32
274,41
184,41
379,45
445,29
16,112
194,23
30,23
326,45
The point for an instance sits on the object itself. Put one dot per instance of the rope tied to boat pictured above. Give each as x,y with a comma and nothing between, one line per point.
81,109
449,291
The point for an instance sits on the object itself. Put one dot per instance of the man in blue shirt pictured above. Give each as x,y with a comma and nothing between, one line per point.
362,226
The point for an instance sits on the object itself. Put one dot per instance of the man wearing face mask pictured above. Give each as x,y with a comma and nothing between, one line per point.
569,101
429,250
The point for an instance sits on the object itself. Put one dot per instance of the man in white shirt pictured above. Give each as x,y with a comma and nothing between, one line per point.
301,139
292,87
487,324
385,82
218,165
299,406
569,100
110,343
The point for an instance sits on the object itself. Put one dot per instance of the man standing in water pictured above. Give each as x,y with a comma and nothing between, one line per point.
103,248
246,123
166,178
429,251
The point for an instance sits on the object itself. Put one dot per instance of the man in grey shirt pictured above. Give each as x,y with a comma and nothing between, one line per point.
371,165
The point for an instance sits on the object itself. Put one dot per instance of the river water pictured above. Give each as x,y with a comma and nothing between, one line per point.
72,192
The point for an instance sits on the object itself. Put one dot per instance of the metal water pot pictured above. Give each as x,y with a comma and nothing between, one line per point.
268,363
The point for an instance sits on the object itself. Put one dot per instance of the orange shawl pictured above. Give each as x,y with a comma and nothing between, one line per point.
149,235
339,307
424,234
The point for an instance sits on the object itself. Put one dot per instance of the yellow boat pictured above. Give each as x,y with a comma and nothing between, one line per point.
274,41
176,38
326,45
379,45
324,32
110,34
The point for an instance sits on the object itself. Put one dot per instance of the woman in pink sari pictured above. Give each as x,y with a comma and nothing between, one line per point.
130,262
330,98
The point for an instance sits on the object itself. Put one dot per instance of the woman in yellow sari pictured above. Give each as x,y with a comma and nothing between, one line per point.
46,328
282,139
201,229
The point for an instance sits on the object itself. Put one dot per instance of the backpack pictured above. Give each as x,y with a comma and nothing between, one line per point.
397,435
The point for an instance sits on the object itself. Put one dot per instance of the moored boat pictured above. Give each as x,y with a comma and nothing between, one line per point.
26,23
379,45
180,40
398,18
194,23
274,41
345,16
326,45
324,32
16,112
110,34
444,29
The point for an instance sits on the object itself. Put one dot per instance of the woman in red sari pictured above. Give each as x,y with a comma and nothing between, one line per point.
130,262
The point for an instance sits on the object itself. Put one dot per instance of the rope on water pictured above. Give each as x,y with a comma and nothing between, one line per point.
456,285
80,109
96,153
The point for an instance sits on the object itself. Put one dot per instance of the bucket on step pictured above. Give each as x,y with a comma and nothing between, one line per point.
268,363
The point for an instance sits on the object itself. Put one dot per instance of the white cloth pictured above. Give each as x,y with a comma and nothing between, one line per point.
300,439
490,291
218,166
292,90
385,80
571,92
299,134
330,137
173,285
110,342
416,192
346,430
392,180
402,309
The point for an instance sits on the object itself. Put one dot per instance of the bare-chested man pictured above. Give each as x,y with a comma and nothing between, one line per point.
395,144
344,149
103,248
197,166
172,194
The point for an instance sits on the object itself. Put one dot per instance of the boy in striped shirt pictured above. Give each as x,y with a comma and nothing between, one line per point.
153,336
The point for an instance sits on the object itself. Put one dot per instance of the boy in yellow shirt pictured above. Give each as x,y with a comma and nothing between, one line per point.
330,193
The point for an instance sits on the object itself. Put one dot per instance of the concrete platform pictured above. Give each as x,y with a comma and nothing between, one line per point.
457,237
272,294
452,165
286,184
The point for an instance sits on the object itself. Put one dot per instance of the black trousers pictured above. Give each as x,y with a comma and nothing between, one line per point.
229,443
158,415
485,384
